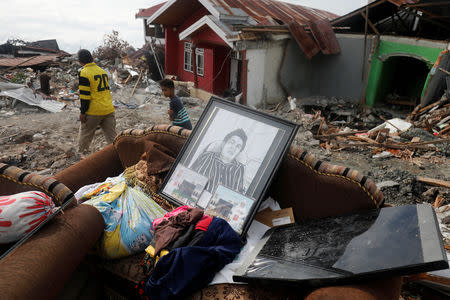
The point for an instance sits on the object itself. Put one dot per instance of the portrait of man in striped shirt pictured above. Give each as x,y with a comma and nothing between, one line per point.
219,164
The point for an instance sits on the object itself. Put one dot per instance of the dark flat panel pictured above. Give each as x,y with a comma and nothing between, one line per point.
387,242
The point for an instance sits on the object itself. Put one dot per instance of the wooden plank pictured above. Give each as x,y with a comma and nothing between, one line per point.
445,71
265,29
430,106
435,182
437,3
134,88
370,24
348,16
401,102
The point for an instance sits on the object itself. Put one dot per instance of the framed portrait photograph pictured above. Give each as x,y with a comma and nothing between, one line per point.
228,162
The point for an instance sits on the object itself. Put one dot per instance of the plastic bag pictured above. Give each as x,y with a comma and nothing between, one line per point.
21,213
128,214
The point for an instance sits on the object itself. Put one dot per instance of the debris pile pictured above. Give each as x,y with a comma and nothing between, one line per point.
396,149
435,118
347,126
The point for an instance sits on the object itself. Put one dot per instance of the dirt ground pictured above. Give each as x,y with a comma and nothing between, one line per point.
36,140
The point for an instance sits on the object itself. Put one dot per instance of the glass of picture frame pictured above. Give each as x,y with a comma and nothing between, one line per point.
228,162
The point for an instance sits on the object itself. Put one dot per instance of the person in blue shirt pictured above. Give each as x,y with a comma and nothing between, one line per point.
177,112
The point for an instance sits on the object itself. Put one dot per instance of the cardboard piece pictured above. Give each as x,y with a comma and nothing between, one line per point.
273,218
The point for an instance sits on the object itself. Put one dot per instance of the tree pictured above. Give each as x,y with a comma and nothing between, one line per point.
112,47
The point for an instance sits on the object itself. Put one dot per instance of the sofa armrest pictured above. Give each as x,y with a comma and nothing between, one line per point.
39,268
94,168
383,289
14,180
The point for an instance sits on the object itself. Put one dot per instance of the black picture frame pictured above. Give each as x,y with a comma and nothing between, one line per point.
228,162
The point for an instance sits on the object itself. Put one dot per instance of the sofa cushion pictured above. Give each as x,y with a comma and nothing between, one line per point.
131,144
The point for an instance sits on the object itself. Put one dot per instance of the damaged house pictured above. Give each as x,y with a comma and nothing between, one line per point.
238,47
406,46
268,50
151,31
39,54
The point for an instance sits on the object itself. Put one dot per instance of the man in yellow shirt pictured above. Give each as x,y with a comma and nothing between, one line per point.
96,102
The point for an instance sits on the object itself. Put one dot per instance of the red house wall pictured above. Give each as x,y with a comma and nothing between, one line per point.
215,51
171,53
221,69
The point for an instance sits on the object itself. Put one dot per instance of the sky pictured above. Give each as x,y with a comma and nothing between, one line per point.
84,24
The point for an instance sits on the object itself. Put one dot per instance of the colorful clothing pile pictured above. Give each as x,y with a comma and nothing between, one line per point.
199,247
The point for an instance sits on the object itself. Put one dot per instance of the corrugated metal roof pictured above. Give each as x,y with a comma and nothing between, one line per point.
259,10
324,35
237,14
148,12
306,43
26,61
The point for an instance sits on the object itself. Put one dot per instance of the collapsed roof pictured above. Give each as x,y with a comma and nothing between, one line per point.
236,20
39,53
420,18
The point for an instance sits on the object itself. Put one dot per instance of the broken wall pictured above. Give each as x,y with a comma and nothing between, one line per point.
391,47
264,59
339,75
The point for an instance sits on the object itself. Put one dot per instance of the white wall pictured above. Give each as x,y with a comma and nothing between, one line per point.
262,78
272,88
255,76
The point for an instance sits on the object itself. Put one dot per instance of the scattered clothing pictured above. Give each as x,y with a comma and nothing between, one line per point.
169,229
172,213
204,223
184,238
149,172
184,270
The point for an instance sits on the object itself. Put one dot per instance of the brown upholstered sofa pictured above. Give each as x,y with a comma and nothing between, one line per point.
39,268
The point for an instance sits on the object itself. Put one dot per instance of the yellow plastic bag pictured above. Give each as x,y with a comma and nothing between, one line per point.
128,213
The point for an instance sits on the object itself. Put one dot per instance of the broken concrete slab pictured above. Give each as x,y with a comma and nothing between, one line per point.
394,125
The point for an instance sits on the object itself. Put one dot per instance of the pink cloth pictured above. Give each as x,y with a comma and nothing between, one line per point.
172,213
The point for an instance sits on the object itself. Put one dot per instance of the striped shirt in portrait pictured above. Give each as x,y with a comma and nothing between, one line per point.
230,175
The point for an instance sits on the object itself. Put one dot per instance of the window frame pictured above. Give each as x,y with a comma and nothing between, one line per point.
199,56
187,59
200,53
